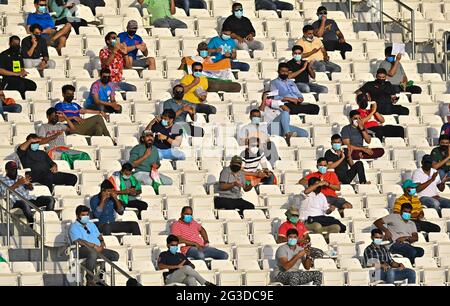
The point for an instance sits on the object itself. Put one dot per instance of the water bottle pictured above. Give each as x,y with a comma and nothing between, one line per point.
331,252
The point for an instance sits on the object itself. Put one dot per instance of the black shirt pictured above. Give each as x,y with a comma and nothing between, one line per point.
38,161
380,93
11,61
342,169
40,51
241,27
294,66
164,144
170,259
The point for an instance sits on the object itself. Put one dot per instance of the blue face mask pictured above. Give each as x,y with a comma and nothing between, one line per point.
297,57
42,9
256,120
336,146
390,59
197,74
239,14
412,192
377,241
292,241
164,122
204,53
406,216
173,249
85,219
187,218
113,42
226,37
34,147
322,169
293,220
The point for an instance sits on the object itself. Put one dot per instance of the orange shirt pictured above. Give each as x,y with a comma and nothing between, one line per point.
329,177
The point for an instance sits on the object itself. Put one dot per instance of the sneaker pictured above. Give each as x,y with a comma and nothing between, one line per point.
210,284
288,137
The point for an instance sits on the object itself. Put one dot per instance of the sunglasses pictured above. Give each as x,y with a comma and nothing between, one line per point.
239,10
87,231
323,13
198,70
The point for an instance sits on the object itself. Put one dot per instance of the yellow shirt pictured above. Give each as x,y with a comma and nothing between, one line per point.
415,202
309,46
190,96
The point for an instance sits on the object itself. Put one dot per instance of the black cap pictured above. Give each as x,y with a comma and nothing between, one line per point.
427,159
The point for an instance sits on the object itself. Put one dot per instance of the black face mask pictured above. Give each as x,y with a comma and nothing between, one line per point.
426,166
105,80
318,190
68,99
15,48
131,33
363,104
283,76
178,95
381,82
235,168
12,174
54,121
443,147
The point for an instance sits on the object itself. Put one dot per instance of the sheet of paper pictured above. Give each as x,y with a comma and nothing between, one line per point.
273,93
398,48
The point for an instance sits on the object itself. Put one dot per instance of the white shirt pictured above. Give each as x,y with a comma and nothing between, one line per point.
419,176
313,205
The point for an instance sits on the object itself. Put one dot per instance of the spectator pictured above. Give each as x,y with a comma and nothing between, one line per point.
289,93
144,157
399,229
273,5
86,234
35,51
12,69
8,105
112,58
224,47
134,43
445,129
386,269
65,11
256,167
127,187
441,156
396,73
92,126
169,137
54,38
92,4
410,196
301,70
195,86
102,97
354,135
195,238
181,270
330,184
293,221
23,186
429,185
187,4
231,180
289,256
242,30
43,168
373,120
383,93
332,37
314,52
341,161
52,132
104,207
161,12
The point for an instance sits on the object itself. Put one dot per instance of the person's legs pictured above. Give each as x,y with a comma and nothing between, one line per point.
319,66
206,109
161,23
91,260
125,227
345,47
26,210
443,202
406,273
123,86
268,180
400,110
430,202
14,108
139,205
393,131
110,254
240,66
303,87
176,24
195,131
144,178
255,45
184,4
406,250
105,228
48,202
242,46
427,227
62,178
31,63
357,168
61,37
320,89
284,6
332,67
195,253
297,278
210,252
92,126
172,154
414,89
265,5
303,108
186,272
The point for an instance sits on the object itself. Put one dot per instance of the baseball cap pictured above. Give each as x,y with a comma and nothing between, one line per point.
132,25
11,165
292,211
427,158
409,184
147,133
236,160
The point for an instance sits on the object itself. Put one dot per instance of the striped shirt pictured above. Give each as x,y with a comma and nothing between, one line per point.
188,231
20,190
374,254
69,109
254,163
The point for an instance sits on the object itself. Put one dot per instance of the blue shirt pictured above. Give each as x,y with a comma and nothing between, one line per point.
104,93
227,47
136,40
69,109
105,215
44,20
286,89
78,232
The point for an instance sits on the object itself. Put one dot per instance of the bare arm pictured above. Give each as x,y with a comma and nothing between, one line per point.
8,73
172,7
287,264
350,146
320,31
204,235
97,100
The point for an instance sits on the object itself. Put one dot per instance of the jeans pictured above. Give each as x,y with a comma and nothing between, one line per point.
46,201
18,83
314,87
207,252
406,250
228,203
332,45
119,227
170,23
427,227
249,45
396,275
435,202
188,128
105,108
172,154
273,5
91,256
323,66
281,126
14,108
59,178
389,109
123,86
186,275
442,174
145,179
240,66
187,4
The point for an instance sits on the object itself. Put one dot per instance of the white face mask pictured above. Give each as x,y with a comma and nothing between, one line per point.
355,122
254,150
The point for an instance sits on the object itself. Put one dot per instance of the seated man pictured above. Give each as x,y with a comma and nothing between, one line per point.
35,51
242,30
256,167
22,185
273,5
314,52
289,256
301,70
102,96
54,38
341,161
289,93
8,105
410,196
396,73
86,234
169,137
187,4
331,185
195,238
386,269
162,12
92,4
445,129
128,188
354,135
43,169
332,37
429,185
441,156
134,43
113,57
402,232
53,132
104,207
231,180
180,269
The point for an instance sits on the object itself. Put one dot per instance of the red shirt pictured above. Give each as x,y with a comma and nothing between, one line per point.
300,227
329,177
364,113
116,65
188,231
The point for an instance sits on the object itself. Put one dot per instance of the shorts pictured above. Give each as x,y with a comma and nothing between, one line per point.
48,37
336,202
140,62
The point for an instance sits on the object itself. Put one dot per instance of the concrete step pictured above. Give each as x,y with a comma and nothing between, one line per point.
34,254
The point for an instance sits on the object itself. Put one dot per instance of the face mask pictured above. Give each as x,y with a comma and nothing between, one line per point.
322,169
131,33
105,80
173,249
178,95
283,76
204,53
164,122
226,37
293,220
426,166
34,147
390,59
377,241
126,177
113,42
310,39
412,192
381,82
42,9
197,74
355,122
68,99
292,241
443,147
37,35
85,219
254,150
320,15
297,57
235,168
256,120
363,104
54,121
187,218
406,216
318,190
15,48
336,146
239,14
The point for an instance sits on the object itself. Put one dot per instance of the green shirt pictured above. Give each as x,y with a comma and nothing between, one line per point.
146,166
437,156
158,9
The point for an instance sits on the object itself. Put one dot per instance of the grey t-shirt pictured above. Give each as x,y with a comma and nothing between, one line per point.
286,251
352,133
47,130
398,227
173,105
227,176
398,77
331,28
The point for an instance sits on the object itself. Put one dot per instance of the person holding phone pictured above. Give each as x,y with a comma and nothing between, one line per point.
35,51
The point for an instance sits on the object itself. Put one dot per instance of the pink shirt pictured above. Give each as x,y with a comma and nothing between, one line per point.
188,231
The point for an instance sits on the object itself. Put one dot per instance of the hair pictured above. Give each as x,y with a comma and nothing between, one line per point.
406,206
106,184
291,231
444,137
321,159
50,111
33,135
14,37
169,113
127,167
388,51
35,26
307,28
105,70
235,5
197,64
353,113
80,209
282,65
67,87
172,238
254,111
381,71
321,8
183,210
226,28
107,37
313,180
376,231
297,47
37,1
336,137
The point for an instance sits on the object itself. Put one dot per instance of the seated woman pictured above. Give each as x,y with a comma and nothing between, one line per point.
256,167
219,75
